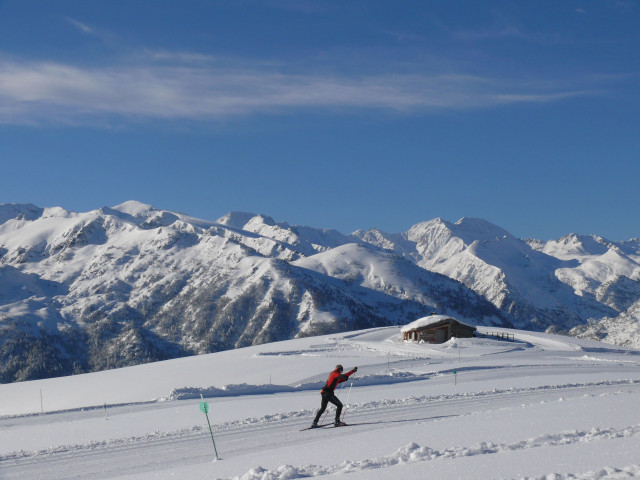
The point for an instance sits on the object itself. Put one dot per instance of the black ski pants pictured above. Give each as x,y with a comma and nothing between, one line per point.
329,397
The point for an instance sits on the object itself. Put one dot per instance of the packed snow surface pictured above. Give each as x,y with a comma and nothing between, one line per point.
538,407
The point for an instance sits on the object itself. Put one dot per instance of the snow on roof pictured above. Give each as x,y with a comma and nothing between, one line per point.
426,321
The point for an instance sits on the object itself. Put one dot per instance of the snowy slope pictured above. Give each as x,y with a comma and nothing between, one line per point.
131,284
621,330
86,291
305,240
599,263
540,407
533,283
383,272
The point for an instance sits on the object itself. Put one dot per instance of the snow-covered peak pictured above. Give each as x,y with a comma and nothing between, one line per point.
135,208
426,231
236,219
573,245
259,221
631,246
57,212
344,261
19,211
382,239
472,229
304,240
466,229
147,216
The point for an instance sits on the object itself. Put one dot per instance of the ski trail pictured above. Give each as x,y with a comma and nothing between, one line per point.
397,410
111,458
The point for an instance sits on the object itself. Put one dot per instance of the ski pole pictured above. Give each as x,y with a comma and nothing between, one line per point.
348,397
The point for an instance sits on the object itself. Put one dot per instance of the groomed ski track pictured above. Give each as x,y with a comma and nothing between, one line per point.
254,437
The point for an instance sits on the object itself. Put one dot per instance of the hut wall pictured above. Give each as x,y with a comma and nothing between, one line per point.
462,331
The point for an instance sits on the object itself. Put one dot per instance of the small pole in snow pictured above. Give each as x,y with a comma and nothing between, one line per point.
41,404
388,361
204,407
348,396
105,411
455,378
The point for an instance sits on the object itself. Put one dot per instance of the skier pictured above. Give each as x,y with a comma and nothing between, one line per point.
328,394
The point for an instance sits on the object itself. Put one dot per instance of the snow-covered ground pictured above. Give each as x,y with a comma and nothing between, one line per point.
539,407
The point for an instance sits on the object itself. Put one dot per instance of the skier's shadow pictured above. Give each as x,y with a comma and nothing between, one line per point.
424,419
406,420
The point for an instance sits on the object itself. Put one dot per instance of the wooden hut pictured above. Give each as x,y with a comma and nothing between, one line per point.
436,329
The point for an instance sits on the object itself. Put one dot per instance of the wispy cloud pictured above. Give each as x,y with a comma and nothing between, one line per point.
84,28
184,86
503,28
503,31
179,57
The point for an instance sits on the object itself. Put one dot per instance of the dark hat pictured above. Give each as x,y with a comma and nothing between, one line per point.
339,367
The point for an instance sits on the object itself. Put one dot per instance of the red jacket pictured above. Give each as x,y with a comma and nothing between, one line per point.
334,379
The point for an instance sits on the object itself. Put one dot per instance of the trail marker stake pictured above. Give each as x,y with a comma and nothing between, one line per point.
204,407
455,378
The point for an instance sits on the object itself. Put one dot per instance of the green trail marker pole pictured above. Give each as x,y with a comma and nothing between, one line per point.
455,378
204,407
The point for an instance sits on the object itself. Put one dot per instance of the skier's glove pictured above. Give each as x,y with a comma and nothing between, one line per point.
355,369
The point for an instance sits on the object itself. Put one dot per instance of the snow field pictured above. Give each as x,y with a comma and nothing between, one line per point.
542,407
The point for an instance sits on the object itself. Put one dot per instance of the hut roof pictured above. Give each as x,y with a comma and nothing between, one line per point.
430,320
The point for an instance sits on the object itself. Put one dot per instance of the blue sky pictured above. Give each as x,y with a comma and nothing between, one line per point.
345,115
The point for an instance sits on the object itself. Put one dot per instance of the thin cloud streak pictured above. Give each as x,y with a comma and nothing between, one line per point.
84,28
47,92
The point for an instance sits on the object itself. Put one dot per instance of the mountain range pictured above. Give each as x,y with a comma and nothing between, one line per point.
88,291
